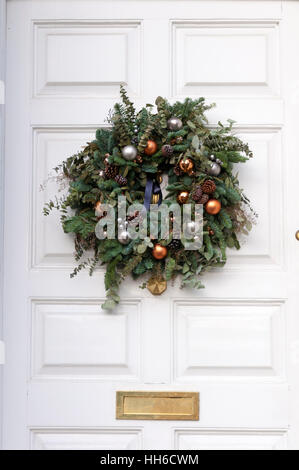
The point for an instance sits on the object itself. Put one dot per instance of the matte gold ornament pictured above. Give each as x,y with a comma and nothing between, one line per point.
156,285
159,251
183,197
151,147
186,165
213,206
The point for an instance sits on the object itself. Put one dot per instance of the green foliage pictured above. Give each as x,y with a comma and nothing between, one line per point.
84,176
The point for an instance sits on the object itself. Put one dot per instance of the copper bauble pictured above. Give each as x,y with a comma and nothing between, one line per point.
151,147
186,165
159,251
183,197
98,209
213,206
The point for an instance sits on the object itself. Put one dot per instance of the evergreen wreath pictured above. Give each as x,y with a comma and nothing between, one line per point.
141,147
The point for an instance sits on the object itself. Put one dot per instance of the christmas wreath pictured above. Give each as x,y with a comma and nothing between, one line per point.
130,159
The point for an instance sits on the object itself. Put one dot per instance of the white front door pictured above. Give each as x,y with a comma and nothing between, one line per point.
237,341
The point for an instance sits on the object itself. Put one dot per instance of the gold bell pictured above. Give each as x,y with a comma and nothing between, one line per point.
156,285
155,198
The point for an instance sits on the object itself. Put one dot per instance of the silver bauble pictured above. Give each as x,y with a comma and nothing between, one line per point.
214,169
124,237
192,228
174,124
129,152
218,161
212,157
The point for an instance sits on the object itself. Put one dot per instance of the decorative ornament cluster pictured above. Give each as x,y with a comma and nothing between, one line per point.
130,159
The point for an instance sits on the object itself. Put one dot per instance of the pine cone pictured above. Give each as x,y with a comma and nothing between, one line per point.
204,199
197,194
138,159
208,187
110,172
174,245
121,180
177,170
167,150
135,140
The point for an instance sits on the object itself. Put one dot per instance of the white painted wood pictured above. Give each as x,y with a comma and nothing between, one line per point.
86,439
236,341
230,440
2,140
2,352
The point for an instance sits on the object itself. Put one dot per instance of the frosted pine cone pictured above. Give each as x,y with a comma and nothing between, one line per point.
121,180
167,150
174,245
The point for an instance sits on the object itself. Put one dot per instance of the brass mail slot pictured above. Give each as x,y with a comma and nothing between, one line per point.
158,405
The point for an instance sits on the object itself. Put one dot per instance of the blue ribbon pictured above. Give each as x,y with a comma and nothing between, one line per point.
152,187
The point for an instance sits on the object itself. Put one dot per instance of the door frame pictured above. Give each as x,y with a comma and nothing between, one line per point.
2,134
3,55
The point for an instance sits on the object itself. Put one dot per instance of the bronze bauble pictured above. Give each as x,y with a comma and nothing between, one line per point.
186,165
151,147
159,251
98,209
183,197
213,206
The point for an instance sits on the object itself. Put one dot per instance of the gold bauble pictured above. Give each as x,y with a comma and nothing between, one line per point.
159,178
156,285
213,206
151,147
186,165
155,198
159,251
182,197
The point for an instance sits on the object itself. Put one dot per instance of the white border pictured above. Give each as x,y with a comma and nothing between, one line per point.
2,130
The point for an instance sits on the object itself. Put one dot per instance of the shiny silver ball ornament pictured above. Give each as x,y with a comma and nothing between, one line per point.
124,237
129,152
192,228
174,124
212,158
214,169
219,161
